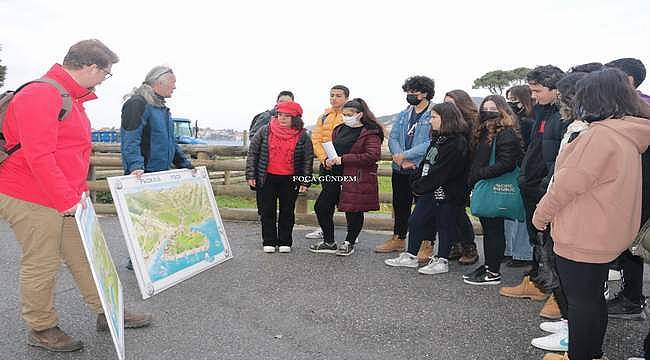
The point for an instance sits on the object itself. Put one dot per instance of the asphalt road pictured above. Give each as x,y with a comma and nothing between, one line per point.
300,306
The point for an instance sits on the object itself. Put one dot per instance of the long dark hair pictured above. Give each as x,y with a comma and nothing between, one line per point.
467,107
506,120
368,119
606,94
297,123
522,93
452,122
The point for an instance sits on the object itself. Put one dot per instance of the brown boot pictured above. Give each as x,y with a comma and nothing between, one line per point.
456,251
425,252
551,310
54,339
554,356
525,290
391,245
470,255
131,321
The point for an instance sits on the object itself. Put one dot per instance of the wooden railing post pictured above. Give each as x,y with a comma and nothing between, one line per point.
301,204
245,138
226,177
92,176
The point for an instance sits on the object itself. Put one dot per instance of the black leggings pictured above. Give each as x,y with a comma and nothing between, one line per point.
325,207
494,242
355,224
583,285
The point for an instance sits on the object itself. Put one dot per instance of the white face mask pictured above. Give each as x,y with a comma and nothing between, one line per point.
352,121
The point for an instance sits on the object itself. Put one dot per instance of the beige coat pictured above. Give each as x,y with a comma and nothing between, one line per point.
594,204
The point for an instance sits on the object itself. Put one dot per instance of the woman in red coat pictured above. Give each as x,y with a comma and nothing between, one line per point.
358,145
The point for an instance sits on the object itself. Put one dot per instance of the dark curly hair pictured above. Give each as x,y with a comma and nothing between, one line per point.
422,84
547,76
586,68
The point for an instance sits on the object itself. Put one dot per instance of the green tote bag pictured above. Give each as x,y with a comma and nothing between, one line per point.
499,196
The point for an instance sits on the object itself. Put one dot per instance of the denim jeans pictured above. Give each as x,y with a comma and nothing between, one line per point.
517,243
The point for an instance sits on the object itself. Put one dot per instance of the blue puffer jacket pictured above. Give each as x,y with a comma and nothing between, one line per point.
421,138
148,140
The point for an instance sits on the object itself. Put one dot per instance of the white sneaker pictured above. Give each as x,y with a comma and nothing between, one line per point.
553,342
268,249
436,266
614,275
284,249
403,260
555,327
318,234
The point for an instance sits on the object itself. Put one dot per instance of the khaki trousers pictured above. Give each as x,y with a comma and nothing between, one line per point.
46,237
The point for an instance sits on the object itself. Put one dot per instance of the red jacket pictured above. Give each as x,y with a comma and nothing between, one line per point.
51,167
361,161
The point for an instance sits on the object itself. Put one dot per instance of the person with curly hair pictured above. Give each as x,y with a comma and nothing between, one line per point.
407,142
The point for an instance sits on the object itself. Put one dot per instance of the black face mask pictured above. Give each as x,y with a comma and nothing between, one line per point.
412,99
516,106
488,115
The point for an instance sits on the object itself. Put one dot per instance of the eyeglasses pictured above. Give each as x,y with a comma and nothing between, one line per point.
108,74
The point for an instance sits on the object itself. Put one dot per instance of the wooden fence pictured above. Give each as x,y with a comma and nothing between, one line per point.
226,165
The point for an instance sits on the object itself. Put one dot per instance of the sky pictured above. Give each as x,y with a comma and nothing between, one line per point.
231,58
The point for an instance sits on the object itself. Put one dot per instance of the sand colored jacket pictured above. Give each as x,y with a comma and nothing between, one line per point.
594,204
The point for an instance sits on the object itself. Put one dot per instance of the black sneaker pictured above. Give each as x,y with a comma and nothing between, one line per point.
621,307
477,272
345,249
323,247
487,278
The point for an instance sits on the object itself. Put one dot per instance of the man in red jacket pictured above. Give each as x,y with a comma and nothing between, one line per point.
42,183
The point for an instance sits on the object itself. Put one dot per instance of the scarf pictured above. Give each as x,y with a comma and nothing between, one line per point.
150,96
282,145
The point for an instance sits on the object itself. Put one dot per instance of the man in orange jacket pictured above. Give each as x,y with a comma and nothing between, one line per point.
322,133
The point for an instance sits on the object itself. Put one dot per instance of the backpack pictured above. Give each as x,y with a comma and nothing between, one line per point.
6,98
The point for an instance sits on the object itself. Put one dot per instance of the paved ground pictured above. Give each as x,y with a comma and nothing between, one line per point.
300,306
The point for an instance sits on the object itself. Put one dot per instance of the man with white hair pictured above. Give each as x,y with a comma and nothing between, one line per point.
147,131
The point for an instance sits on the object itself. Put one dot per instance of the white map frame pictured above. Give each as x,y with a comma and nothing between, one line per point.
122,186
113,310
